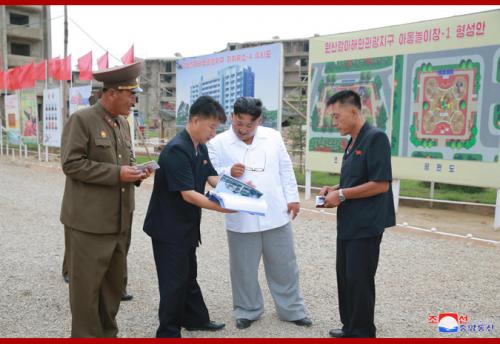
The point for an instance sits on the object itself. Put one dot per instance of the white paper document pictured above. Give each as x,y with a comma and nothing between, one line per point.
233,194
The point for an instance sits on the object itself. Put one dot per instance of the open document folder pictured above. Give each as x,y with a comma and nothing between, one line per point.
233,194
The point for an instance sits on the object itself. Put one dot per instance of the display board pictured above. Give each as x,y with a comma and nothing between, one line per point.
433,87
13,122
79,98
29,116
253,72
52,117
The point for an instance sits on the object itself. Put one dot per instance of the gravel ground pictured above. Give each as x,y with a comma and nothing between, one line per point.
418,274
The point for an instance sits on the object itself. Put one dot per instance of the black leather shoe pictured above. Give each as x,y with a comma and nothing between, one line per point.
126,296
303,322
337,333
210,326
242,323
66,278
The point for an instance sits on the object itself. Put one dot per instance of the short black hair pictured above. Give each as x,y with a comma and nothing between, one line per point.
207,107
345,97
248,105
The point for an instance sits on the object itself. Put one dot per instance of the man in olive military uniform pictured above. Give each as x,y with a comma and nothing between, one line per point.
65,274
98,202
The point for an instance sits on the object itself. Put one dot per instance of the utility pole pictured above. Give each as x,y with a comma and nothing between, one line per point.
65,30
3,67
65,83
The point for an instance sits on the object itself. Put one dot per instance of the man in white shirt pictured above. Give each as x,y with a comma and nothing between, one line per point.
257,154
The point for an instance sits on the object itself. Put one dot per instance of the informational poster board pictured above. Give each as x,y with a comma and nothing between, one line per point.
79,98
13,119
29,116
52,117
131,123
252,72
433,87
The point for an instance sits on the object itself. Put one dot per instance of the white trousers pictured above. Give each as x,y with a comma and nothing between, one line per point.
282,273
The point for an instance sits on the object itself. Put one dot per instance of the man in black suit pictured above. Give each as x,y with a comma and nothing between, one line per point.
365,208
173,220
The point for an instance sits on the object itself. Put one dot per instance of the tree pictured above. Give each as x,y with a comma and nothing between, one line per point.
378,82
368,75
298,137
321,85
382,118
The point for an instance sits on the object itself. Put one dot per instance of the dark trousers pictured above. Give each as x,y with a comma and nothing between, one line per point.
357,262
181,301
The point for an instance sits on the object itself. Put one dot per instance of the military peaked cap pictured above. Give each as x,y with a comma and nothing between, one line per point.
121,77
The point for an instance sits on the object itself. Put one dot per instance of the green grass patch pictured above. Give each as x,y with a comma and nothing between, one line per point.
414,188
140,159
318,179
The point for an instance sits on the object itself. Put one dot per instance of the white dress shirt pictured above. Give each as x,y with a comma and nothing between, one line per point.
268,167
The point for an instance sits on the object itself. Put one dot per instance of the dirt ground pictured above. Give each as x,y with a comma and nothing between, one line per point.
421,273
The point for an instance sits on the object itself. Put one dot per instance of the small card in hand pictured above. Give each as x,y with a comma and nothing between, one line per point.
320,201
153,165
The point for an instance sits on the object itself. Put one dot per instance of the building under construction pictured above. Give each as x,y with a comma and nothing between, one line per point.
157,104
25,37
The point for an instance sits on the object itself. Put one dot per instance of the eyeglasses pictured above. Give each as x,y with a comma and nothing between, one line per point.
254,160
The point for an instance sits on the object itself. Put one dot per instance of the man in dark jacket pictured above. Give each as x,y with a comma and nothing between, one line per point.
173,220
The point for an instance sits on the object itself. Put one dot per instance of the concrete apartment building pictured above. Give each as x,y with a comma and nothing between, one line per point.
159,79
25,37
230,83
295,72
158,100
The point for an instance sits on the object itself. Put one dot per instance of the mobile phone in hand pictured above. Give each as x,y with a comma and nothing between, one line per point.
153,165
320,201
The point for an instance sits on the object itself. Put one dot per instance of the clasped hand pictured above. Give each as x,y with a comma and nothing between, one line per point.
130,174
331,195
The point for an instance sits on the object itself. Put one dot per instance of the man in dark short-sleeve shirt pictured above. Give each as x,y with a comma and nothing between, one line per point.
365,208
173,220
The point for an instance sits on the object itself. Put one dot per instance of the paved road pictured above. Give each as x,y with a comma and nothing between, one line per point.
419,274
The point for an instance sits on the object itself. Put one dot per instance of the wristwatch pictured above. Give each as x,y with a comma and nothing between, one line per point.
341,196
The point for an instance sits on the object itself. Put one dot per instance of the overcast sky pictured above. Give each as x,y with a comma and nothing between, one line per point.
161,31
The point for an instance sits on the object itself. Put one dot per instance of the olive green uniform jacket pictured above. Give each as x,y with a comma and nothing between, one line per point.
93,149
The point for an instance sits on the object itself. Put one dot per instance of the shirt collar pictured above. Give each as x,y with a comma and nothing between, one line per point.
362,131
187,138
106,115
233,139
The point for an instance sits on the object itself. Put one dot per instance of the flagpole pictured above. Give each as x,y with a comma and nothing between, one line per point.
1,123
18,96
43,108
64,86
38,131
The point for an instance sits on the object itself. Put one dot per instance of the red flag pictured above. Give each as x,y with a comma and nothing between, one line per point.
128,58
27,76
85,66
13,79
102,62
3,80
39,70
54,67
60,69
65,72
